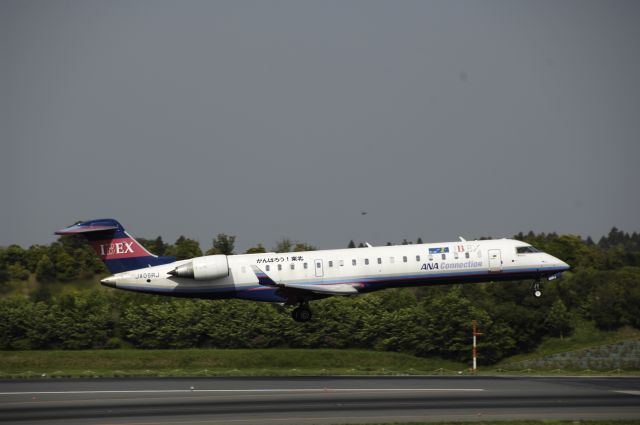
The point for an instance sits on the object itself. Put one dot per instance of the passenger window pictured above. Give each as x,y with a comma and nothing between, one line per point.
330,263
279,266
392,260
417,258
455,255
341,263
305,265
353,262
293,266
379,260
404,259
444,256
466,255
267,267
430,257
366,261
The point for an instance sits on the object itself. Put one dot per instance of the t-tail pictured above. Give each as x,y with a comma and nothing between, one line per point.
117,249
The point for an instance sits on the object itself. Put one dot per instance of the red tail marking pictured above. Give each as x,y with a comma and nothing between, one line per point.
110,249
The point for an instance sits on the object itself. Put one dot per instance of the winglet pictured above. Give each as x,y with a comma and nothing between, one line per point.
263,279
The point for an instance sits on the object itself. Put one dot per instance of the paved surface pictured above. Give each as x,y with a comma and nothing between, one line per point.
315,400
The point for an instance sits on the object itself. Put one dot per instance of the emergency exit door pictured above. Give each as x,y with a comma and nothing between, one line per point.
495,260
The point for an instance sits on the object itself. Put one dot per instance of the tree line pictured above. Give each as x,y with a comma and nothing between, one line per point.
604,288
71,258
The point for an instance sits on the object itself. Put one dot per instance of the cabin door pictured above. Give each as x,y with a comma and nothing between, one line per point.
495,260
319,270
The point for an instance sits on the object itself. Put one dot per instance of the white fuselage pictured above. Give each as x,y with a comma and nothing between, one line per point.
366,269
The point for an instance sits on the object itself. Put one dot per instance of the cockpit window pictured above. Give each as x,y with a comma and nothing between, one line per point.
526,249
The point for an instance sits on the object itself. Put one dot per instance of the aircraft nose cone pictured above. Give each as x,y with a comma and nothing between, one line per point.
109,281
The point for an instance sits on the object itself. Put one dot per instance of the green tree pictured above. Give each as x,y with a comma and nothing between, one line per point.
258,249
155,246
632,297
300,247
15,314
33,255
184,249
222,244
284,245
14,254
66,268
70,243
441,326
4,273
288,245
396,299
558,320
45,271
352,244
607,303
17,272
83,321
445,329
166,324
238,324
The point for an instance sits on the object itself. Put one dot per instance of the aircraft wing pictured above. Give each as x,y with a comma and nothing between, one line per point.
325,289
332,289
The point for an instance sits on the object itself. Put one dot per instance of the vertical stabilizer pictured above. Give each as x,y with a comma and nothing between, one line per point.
117,249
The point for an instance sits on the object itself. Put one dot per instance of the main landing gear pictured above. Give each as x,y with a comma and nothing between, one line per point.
302,313
537,289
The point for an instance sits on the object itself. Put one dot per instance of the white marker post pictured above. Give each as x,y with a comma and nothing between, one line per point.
475,347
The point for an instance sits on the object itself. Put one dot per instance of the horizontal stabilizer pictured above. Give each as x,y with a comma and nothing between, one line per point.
78,228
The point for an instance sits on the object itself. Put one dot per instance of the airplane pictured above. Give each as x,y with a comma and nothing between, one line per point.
296,278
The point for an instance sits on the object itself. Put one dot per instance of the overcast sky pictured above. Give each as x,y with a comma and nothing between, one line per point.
272,119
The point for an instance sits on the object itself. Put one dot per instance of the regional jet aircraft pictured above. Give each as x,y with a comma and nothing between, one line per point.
296,278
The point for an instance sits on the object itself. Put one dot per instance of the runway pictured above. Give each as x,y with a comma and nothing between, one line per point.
315,400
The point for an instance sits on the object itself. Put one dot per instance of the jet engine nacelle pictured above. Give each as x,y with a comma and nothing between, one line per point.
203,268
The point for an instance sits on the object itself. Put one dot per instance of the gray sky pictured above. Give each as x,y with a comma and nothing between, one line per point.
271,119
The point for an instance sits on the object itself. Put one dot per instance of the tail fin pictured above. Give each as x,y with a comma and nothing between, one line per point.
117,249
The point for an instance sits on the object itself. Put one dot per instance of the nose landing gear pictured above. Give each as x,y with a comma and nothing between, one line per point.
302,313
537,289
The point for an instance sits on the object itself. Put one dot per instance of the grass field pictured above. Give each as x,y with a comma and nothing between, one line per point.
256,362
212,362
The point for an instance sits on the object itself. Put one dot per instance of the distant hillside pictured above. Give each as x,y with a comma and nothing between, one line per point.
623,355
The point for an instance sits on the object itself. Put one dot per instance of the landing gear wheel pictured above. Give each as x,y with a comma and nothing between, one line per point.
537,292
301,314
